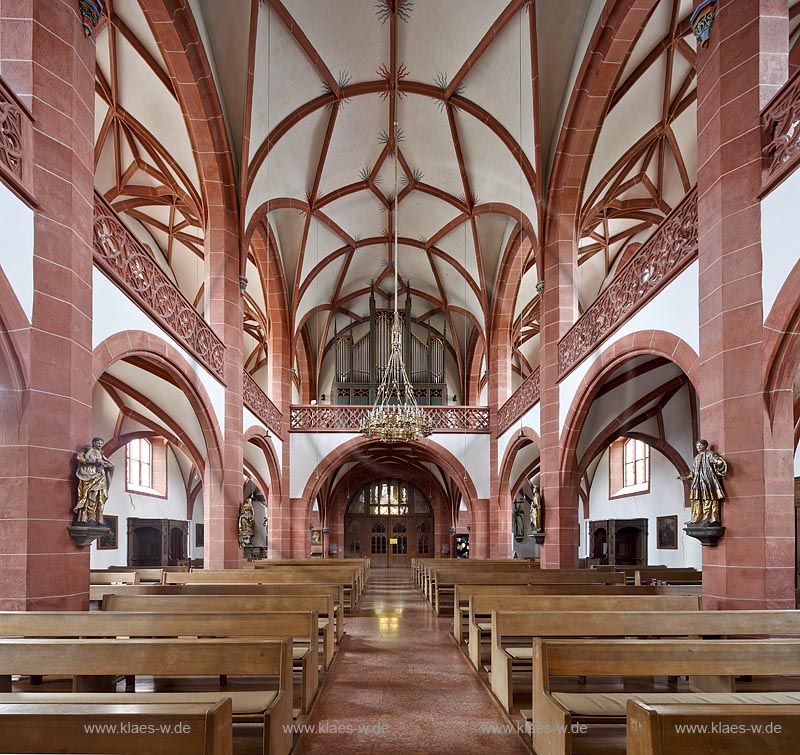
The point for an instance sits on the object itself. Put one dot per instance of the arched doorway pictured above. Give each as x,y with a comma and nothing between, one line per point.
391,522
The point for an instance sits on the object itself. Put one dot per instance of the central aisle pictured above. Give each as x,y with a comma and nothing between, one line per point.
400,686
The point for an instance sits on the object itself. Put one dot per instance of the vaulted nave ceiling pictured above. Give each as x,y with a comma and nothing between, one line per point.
306,88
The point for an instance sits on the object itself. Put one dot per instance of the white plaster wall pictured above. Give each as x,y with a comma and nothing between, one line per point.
674,310
124,505
780,245
665,498
16,257
531,419
114,311
308,449
197,518
472,450
250,420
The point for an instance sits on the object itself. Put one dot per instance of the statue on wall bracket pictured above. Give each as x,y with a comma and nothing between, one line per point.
536,516
247,523
705,494
94,474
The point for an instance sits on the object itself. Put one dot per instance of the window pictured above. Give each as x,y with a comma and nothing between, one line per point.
140,464
146,466
628,467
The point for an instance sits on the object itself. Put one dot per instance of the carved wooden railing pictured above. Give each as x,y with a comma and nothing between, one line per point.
349,418
780,134
520,401
123,259
668,252
16,139
259,403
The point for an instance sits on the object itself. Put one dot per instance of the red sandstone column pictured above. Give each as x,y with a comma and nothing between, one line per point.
559,487
224,313
744,65
49,63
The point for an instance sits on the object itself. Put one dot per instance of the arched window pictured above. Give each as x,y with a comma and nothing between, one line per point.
628,467
140,464
146,466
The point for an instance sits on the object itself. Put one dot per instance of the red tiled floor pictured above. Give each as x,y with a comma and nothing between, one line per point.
400,686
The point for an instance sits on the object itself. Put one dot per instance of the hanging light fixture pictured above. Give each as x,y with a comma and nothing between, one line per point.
396,416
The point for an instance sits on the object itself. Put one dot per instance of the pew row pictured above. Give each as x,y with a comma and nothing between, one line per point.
554,713
514,654
286,575
264,604
335,590
94,663
114,578
463,592
115,729
485,605
301,626
735,729
444,581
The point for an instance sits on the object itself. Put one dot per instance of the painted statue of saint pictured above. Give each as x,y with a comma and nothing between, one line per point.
536,510
706,490
519,520
247,522
94,477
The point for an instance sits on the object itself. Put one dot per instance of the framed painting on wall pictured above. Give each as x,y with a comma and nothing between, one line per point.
199,535
667,532
109,542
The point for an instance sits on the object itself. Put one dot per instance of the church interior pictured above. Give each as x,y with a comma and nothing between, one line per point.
399,376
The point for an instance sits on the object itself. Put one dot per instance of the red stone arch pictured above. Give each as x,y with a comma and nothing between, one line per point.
14,353
614,38
523,438
435,453
154,349
645,342
259,437
782,343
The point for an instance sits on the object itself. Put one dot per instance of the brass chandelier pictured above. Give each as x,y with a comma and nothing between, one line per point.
396,416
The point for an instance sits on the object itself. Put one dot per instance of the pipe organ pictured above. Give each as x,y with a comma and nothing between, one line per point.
360,364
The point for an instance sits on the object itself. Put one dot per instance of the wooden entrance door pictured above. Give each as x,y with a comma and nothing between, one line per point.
390,522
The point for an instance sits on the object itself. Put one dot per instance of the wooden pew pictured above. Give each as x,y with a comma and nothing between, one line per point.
91,662
442,574
230,604
166,729
421,566
664,729
645,576
463,592
554,713
278,588
360,570
445,581
485,605
300,626
524,626
468,566
114,578
287,575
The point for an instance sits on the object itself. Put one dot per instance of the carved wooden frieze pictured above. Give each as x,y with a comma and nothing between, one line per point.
663,256
350,418
260,404
123,258
780,124
519,402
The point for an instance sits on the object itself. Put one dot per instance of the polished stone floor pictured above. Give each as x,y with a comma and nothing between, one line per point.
400,685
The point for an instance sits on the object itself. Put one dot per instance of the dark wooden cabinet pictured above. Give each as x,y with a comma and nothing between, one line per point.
157,542
618,542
